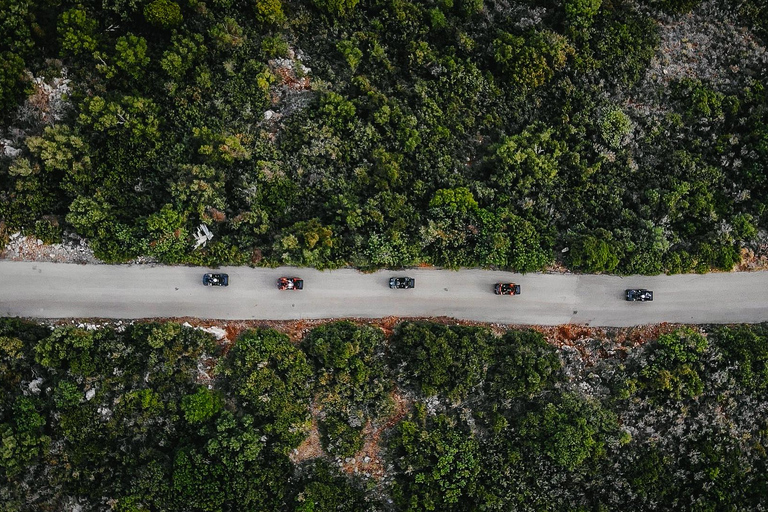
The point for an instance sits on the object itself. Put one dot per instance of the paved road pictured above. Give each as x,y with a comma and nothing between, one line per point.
57,290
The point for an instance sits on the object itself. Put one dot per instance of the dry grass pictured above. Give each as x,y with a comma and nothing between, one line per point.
751,261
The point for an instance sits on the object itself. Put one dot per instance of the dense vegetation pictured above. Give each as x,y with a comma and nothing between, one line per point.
389,132
160,417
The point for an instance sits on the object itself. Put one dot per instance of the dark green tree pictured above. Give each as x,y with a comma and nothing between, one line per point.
438,462
271,378
440,359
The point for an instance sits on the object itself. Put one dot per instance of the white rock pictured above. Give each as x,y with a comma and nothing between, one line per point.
10,151
34,386
216,331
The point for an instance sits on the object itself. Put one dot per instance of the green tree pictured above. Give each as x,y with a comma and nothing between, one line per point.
17,23
673,367
448,234
321,487
68,349
336,8
131,55
66,156
11,361
390,250
437,462
580,14
181,57
229,467
169,239
338,112
747,347
163,13
76,33
307,243
626,45
133,116
530,61
23,438
615,125
440,359
594,253
527,162
13,81
228,34
201,406
270,376
523,365
458,201
269,12
199,189
88,215
509,241
350,382
569,431
352,54
220,147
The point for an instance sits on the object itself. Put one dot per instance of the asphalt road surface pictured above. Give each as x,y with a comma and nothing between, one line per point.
58,290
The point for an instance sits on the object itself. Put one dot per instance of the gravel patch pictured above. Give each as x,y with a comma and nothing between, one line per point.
29,248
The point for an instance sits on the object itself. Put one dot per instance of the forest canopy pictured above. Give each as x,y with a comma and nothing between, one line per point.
158,416
387,133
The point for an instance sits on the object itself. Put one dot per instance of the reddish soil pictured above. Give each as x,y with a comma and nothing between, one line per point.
311,448
368,461
289,79
561,335
632,337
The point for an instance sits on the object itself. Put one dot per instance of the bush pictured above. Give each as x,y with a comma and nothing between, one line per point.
201,406
163,13
350,384
48,231
437,461
746,348
592,253
439,359
672,368
336,8
271,378
523,365
321,486
569,431
13,81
